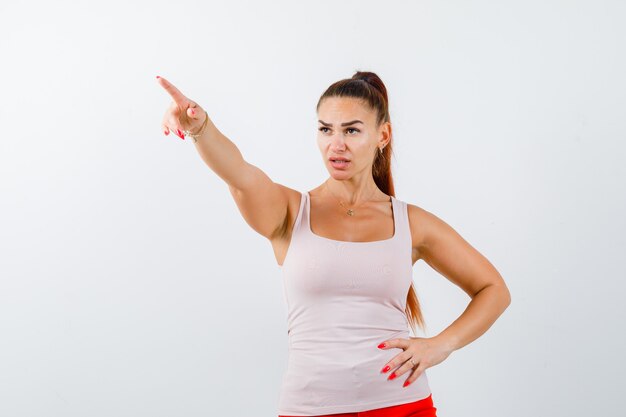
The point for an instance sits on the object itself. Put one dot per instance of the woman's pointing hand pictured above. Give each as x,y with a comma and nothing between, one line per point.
182,114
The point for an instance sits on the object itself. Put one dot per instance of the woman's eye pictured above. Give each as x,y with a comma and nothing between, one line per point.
323,129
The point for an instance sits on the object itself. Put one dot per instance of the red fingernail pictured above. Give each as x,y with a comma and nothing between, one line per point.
166,132
392,376
158,76
180,134
406,383
382,345
386,368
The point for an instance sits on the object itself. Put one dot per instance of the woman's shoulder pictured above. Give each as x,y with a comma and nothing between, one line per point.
417,217
422,222
292,194
428,229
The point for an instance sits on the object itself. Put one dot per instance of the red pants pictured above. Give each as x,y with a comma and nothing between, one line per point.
420,408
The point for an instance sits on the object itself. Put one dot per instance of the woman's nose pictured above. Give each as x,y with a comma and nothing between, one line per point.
337,141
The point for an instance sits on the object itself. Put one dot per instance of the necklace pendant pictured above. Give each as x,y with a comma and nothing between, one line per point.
350,212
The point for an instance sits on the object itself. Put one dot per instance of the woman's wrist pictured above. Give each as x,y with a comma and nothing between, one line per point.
447,340
201,131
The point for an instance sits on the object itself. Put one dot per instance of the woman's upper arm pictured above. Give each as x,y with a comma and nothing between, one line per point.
447,252
263,203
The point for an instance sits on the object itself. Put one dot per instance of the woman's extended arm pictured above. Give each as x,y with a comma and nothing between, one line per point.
262,202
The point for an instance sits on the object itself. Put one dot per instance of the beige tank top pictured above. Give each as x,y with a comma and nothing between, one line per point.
343,299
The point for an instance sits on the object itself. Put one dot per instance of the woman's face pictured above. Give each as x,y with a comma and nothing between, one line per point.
357,140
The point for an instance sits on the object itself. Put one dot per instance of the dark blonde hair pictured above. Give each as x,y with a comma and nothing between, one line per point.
368,87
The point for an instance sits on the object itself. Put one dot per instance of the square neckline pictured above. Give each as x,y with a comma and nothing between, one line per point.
393,213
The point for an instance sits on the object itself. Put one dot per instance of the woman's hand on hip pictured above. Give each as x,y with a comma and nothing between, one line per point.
424,351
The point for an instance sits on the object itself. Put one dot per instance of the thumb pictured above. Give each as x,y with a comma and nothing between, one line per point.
193,112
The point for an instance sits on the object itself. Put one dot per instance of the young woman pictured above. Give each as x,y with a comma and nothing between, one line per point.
346,250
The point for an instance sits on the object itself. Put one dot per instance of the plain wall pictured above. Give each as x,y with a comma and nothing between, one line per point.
130,285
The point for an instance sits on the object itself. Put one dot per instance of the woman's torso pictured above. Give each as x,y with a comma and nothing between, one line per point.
344,298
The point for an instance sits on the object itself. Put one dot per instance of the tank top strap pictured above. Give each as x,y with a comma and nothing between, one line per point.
401,218
301,217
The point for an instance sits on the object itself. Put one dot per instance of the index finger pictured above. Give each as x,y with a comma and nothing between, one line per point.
177,96
394,343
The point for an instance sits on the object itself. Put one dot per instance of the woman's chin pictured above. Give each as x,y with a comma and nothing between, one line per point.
339,175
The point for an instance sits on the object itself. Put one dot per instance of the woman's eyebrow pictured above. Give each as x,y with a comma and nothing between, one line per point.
343,124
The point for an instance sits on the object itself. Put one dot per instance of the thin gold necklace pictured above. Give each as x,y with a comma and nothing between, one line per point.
350,211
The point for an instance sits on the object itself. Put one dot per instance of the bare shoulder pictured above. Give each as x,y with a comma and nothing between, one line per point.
424,227
418,219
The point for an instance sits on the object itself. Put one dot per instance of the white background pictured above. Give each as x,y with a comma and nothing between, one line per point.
130,285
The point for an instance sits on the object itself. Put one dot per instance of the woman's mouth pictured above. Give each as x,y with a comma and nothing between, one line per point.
339,163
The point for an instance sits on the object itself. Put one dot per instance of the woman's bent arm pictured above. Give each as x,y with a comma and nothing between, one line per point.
452,256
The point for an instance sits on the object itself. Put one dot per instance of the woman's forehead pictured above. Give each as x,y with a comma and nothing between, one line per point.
339,108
